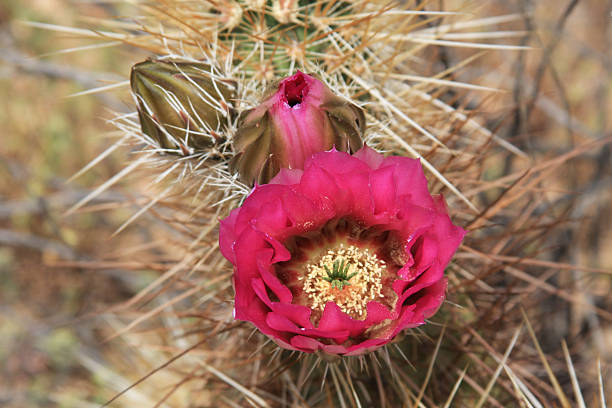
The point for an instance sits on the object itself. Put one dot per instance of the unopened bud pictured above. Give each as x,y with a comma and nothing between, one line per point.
183,106
299,116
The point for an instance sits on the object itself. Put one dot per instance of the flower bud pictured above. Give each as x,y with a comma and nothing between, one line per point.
298,117
181,105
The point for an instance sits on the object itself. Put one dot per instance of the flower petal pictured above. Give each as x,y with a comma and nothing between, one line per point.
227,235
334,319
287,176
383,191
370,157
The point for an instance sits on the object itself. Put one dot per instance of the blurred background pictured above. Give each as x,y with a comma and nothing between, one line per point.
49,296
58,274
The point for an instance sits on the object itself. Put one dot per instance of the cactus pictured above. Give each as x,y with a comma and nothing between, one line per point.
375,55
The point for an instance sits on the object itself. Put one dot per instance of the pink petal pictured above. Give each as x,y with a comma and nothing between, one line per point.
298,314
287,176
370,157
424,252
376,313
430,303
304,214
306,344
412,220
365,347
285,344
320,187
227,235
259,288
424,308
265,270
333,349
383,192
409,179
272,217
448,236
334,319
248,306
336,163
281,323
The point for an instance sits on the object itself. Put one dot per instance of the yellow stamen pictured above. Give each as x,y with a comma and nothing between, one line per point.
365,284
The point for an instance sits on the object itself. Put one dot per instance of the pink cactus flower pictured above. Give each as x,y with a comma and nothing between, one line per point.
342,256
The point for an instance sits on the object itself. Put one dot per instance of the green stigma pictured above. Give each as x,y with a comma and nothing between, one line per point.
339,276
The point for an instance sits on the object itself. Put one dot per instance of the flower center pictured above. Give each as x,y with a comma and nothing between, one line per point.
338,276
296,89
348,276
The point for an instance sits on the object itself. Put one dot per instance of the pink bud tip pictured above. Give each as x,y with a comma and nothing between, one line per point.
295,89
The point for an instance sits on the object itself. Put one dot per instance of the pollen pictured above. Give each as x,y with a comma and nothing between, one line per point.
358,284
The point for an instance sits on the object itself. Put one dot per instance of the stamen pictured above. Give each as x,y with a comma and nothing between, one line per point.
348,276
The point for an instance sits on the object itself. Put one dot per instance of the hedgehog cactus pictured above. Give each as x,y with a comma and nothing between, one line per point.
374,62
